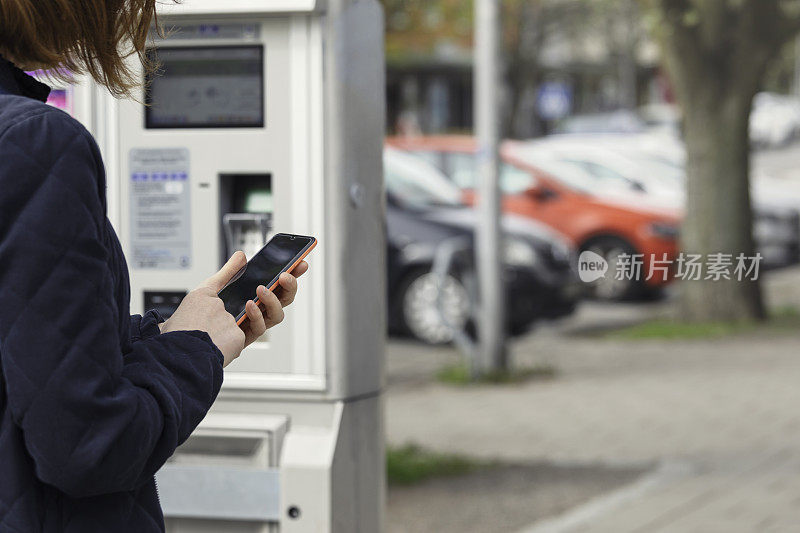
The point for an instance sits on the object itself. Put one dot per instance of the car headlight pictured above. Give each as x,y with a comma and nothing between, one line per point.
518,253
664,230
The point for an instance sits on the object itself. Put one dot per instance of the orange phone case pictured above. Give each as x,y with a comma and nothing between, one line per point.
290,270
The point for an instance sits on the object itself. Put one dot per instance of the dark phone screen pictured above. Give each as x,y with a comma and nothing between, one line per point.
263,269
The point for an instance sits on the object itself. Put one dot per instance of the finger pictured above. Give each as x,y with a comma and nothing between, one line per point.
218,281
288,285
257,325
262,293
300,269
272,308
265,296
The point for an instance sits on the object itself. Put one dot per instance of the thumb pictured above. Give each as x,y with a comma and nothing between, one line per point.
218,281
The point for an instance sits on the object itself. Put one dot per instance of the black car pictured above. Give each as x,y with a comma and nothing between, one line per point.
424,212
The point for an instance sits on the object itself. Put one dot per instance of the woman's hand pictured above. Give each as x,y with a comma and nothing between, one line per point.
269,311
202,310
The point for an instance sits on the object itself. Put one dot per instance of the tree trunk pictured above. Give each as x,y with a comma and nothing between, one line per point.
719,215
717,52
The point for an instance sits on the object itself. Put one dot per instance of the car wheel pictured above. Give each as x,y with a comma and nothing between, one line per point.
419,313
609,287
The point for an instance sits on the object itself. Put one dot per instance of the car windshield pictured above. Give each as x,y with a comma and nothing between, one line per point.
603,175
667,169
415,182
641,163
463,172
569,174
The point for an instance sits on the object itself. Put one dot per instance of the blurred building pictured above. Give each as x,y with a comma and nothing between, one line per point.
560,57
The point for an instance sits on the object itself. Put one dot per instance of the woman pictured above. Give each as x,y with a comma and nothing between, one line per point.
92,400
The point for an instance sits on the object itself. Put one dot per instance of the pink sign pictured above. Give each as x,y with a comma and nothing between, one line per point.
59,97
62,99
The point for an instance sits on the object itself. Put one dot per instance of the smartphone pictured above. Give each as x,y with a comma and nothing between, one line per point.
281,254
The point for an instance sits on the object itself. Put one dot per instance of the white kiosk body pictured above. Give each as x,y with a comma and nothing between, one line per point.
267,116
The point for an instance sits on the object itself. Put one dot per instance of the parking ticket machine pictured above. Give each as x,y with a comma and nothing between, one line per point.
266,116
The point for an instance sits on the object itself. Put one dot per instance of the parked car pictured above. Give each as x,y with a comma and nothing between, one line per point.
616,160
424,210
774,120
663,119
562,197
621,121
653,166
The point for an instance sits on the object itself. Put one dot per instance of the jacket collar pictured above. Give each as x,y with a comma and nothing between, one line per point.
14,81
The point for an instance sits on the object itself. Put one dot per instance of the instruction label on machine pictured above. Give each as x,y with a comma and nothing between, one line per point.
161,233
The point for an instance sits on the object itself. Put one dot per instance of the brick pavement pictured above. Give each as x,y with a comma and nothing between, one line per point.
727,409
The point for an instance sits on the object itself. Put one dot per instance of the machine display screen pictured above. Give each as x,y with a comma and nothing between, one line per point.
206,87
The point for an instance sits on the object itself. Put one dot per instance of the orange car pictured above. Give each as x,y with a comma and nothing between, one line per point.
607,225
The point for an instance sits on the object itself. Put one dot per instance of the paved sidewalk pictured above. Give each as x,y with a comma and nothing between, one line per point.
726,410
755,491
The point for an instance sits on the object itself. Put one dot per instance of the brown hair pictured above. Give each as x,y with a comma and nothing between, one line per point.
78,36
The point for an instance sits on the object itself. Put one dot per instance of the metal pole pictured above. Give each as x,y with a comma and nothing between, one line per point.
627,61
796,84
491,331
